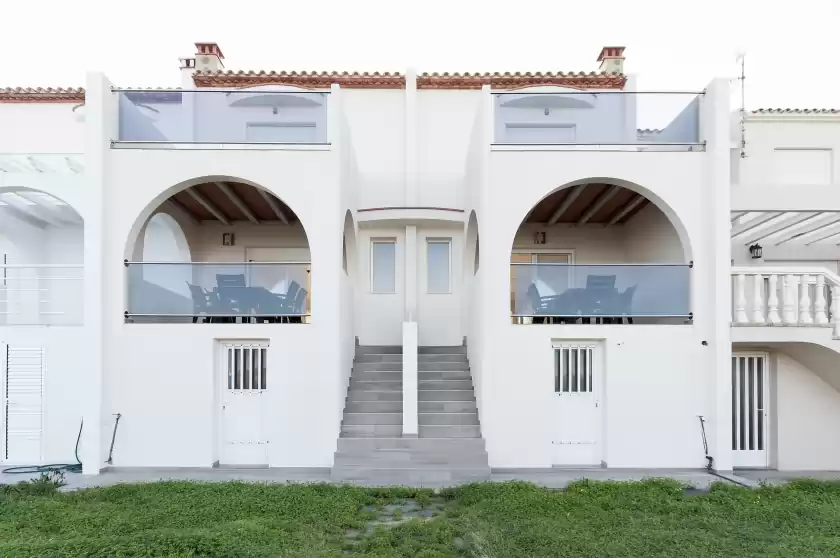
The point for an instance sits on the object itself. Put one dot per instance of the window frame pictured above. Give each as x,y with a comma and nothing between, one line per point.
372,270
448,242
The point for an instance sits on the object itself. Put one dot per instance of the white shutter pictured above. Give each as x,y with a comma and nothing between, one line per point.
23,391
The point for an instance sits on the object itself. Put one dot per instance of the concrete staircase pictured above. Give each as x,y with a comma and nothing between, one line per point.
448,449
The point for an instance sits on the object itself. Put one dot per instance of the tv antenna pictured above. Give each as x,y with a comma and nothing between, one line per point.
741,80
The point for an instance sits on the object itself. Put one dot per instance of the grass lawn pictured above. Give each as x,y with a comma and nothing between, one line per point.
654,518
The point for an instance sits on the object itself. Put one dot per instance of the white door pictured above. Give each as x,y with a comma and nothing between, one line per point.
749,410
23,397
575,410
244,376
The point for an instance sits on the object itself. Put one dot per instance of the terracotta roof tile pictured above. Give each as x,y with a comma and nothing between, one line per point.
387,80
40,94
796,111
315,80
507,80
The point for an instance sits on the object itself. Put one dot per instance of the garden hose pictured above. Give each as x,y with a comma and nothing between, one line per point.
54,467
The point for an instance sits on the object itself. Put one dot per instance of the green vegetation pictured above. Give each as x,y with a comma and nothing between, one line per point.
517,520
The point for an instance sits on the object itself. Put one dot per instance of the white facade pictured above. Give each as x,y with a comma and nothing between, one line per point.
417,210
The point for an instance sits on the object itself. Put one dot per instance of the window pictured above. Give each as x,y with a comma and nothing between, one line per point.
438,264
246,367
573,369
383,265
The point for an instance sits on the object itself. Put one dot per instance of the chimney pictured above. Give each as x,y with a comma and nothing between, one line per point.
187,71
208,57
612,60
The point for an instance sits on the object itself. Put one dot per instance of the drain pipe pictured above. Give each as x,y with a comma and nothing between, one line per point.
113,439
710,461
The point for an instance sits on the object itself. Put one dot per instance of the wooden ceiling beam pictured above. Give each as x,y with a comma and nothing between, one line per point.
566,203
237,201
605,196
275,207
629,206
208,205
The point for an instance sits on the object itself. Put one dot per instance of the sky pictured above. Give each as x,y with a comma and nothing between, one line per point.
677,45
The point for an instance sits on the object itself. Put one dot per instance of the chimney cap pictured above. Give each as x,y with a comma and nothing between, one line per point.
611,52
209,48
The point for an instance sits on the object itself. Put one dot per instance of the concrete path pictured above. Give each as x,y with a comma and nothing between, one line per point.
549,478
781,477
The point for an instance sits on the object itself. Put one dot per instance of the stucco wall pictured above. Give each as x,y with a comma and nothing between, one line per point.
807,414
40,128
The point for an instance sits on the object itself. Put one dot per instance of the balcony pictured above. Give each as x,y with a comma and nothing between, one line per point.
256,117
631,121
230,292
41,295
543,293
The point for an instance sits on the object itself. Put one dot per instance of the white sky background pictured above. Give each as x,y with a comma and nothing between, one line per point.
792,58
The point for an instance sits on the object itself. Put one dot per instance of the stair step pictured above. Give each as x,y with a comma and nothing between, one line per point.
375,385
371,430
443,365
449,431
441,357
452,419
378,350
373,406
446,407
443,384
450,350
409,476
380,365
393,458
443,375
396,443
445,394
373,375
361,395
372,418
387,357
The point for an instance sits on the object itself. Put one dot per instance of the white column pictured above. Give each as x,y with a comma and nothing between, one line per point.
100,129
789,298
411,194
410,274
773,300
758,299
740,299
409,360
835,309
819,301
805,301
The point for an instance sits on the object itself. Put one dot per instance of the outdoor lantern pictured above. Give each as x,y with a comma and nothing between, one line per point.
755,251
228,239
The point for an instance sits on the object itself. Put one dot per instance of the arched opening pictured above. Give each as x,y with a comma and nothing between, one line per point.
348,246
600,251
41,259
218,250
471,247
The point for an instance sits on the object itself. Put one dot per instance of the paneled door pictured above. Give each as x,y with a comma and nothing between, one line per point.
750,397
23,399
244,377
575,414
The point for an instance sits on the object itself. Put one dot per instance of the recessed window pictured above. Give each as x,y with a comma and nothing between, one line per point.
383,266
438,265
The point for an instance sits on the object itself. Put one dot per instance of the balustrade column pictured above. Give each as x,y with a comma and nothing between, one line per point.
758,299
773,300
819,301
835,309
789,299
740,299
805,316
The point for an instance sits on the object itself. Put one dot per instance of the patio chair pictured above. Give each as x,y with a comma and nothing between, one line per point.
203,303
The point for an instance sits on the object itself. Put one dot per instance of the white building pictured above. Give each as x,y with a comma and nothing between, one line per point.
520,271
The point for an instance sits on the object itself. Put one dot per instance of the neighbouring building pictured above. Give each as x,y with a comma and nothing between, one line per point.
480,271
